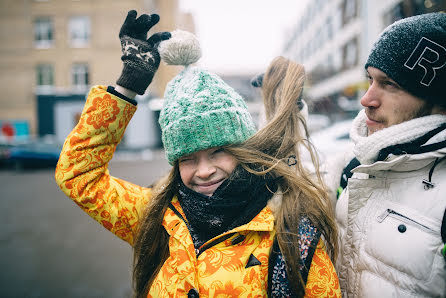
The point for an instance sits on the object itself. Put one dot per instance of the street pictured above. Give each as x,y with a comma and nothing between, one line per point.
50,248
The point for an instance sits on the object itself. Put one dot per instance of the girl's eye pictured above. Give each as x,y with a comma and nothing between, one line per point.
218,151
185,159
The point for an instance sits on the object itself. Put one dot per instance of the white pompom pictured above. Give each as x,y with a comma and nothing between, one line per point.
182,48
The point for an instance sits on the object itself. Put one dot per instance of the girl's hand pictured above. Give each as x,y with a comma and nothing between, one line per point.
139,53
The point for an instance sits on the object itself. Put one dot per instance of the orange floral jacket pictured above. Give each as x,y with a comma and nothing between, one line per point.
219,271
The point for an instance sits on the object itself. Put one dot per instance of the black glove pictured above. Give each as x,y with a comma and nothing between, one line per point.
140,55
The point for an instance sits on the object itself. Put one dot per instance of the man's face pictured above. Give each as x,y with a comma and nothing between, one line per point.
386,103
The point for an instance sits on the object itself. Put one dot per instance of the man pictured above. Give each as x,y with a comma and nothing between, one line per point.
391,215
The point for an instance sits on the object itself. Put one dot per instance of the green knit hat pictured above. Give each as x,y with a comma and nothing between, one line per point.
200,110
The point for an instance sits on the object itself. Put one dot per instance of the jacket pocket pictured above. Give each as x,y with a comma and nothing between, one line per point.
405,241
403,218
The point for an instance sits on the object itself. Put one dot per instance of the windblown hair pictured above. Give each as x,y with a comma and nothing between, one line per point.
285,135
282,90
268,150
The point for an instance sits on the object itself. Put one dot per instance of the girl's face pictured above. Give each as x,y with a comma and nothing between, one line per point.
204,171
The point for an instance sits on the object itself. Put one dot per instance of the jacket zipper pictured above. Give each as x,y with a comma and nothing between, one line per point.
388,212
199,251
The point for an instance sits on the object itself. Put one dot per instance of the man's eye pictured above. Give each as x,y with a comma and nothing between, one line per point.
390,84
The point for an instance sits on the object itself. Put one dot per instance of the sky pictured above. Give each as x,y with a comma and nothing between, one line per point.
242,36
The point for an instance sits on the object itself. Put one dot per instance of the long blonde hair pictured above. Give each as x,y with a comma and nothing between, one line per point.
282,89
268,150
285,138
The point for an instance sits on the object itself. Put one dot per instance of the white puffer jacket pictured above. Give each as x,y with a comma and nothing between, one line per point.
389,221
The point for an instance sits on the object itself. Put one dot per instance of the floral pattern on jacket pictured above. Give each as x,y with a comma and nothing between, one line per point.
220,268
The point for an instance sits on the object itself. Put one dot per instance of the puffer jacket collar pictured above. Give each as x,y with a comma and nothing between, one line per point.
367,148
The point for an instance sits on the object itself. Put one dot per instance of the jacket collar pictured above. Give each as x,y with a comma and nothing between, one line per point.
177,228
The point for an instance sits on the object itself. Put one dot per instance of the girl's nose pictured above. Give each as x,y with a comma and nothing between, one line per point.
205,169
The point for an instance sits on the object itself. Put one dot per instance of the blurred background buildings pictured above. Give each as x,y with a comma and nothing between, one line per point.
333,39
52,51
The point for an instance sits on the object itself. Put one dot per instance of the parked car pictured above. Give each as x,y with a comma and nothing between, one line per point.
5,149
333,139
39,153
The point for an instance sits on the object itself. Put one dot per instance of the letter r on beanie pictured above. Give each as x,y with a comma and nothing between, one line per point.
430,56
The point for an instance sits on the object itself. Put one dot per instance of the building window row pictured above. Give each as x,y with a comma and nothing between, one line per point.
332,24
78,32
79,77
407,8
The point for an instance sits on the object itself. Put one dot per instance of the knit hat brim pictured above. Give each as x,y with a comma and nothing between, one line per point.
213,129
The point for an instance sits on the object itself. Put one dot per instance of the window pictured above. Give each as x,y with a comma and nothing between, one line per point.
330,65
43,32
349,10
79,77
337,19
44,77
329,28
351,53
79,31
393,15
337,60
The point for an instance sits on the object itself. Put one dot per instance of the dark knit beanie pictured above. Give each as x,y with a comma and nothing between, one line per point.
412,52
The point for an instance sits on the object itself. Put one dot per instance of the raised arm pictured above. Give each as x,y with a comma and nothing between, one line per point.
82,171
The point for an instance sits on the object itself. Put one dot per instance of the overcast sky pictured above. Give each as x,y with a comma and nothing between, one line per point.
242,36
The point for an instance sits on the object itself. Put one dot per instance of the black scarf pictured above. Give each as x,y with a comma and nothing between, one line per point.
235,202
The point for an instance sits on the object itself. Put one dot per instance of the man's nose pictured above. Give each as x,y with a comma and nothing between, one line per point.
371,99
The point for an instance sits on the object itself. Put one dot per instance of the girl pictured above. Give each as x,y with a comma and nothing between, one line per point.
231,218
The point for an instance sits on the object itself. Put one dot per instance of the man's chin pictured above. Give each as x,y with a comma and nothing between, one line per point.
372,129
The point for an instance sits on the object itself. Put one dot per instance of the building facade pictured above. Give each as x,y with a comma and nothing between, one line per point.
332,40
51,51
